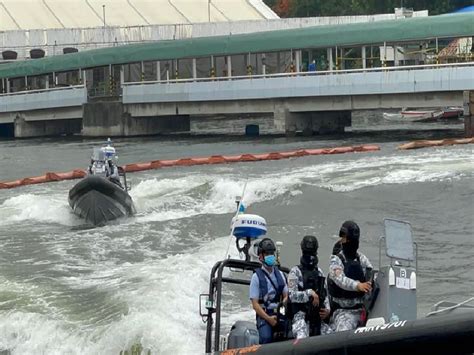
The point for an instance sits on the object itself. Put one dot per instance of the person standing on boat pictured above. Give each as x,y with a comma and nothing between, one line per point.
267,290
348,282
308,302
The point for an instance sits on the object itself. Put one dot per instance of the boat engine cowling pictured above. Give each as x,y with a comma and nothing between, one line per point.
242,334
250,228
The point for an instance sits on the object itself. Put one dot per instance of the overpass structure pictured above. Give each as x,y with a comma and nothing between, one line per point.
156,87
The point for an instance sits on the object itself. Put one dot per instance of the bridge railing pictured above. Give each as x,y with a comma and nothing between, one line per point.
304,73
94,92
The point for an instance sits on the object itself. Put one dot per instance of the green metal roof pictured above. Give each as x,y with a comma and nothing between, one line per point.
401,30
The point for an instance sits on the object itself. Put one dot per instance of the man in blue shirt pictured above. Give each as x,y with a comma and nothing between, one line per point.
267,289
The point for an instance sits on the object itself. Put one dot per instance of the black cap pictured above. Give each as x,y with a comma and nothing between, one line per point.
309,245
266,246
350,229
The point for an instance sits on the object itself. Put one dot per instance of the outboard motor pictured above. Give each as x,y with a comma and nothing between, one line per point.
242,334
394,297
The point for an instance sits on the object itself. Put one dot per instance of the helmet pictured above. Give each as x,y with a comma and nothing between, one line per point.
309,245
266,246
350,230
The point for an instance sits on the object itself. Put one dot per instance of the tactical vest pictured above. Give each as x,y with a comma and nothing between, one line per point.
353,270
263,287
311,280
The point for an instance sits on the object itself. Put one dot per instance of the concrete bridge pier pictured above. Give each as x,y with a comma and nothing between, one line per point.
110,119
469,113
310,123
23,128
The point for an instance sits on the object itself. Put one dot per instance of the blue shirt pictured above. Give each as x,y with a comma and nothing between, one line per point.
255,286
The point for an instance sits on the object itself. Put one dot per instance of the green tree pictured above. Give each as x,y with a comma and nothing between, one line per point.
306,8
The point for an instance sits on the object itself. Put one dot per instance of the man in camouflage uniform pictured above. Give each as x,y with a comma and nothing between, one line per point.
348,282
304,299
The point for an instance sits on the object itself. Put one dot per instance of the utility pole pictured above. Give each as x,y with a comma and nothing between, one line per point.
209,10
103,29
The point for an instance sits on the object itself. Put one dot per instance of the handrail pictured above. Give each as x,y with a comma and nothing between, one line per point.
306,73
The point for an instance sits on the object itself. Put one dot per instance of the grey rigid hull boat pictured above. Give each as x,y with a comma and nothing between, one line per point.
102,195
392,326
98,200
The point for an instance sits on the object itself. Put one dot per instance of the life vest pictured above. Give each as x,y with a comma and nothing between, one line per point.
353,270
263,276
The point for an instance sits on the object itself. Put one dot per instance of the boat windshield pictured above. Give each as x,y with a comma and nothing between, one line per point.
98,154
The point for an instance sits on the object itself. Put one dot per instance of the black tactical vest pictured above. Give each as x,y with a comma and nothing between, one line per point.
352,270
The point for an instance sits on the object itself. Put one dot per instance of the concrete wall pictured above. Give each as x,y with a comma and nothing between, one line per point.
43,99
28,129
108,118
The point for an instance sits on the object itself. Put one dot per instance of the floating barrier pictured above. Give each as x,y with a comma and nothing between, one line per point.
214,159
435,143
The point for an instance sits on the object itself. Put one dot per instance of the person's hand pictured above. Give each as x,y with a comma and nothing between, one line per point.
272,320
364,287
323,313
315,296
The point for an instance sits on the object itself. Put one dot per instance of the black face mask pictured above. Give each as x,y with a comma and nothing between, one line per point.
309,261
350,248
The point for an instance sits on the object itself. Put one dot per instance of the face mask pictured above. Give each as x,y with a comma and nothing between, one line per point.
350,248
309,261
269,260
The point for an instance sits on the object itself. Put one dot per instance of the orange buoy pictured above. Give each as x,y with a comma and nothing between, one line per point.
435,143
214,159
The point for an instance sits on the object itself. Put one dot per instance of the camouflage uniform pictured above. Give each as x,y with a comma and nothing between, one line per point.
346,319
300,327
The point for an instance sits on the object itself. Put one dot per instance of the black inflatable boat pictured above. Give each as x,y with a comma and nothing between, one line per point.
98,200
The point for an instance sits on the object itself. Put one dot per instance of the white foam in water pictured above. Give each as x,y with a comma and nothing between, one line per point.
162,294
163,311
43,208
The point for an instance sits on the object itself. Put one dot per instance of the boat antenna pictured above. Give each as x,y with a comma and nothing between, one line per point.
239,206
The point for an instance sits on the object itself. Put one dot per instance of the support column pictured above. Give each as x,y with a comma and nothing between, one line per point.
289,123
194,68
469,113
298,61
229,66
343,64
364,58
330,60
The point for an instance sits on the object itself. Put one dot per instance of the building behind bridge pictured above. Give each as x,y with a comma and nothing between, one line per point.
124,67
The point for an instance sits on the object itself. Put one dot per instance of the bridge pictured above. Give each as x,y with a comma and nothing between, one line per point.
156,87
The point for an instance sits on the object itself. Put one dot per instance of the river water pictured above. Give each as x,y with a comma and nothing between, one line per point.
67,289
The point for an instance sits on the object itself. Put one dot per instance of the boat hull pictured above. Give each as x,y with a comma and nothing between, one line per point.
98,201
450,334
